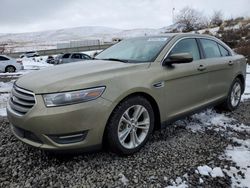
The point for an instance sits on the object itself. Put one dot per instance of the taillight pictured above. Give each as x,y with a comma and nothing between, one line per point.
19,61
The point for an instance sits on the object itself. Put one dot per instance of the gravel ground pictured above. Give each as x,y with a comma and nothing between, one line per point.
171,153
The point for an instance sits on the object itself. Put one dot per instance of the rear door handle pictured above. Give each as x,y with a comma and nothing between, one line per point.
201,68
230,63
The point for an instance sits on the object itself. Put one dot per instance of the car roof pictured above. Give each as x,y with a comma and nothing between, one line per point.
6,56
171,35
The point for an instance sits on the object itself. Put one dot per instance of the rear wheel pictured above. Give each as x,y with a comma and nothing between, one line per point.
234,96
10,69
130,126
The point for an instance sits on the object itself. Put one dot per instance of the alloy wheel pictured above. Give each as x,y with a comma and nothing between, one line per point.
133,126
236,94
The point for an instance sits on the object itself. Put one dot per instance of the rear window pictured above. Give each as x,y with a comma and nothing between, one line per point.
211,48
2,58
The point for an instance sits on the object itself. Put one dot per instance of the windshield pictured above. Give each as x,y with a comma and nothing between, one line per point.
134,50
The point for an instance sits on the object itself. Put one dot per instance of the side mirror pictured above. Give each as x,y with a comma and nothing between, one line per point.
178,58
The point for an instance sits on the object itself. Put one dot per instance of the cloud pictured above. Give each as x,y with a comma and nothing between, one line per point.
36,15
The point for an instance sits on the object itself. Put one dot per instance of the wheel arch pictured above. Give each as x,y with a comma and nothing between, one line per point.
153,104
242,79
146,96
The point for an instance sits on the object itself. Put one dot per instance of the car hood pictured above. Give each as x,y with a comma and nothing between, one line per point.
73,76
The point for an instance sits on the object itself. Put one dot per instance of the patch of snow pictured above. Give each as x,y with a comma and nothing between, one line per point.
6,87
201,180
213,31
241,156
235,27
14,73
217,172
123,179
3,101
212,120
181,185
35,63
204,170
246,94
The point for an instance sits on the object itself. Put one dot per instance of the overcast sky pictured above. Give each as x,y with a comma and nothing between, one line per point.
38,15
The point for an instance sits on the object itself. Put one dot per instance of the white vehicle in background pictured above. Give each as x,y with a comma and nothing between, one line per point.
8,64
29,54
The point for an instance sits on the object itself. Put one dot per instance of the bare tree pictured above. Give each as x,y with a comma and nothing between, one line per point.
217,18
190,19
3,48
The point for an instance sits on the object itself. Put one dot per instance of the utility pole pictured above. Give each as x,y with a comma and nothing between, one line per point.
173,18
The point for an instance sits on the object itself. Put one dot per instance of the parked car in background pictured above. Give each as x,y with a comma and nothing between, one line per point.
71,57
29,54
125,93
8,64
50,60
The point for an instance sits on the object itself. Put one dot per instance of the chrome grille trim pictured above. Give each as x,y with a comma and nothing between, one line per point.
21,100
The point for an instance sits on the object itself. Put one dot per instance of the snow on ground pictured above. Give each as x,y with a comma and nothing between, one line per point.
5,87
246,95
214,30
241,156
178,183
3,101
35,63
210,120
123,179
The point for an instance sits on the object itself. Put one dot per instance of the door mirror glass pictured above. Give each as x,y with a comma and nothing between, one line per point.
178,58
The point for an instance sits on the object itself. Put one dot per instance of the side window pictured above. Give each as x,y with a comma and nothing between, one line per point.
224,52
3,58
211,48
76,56
66,56
85,57
187,46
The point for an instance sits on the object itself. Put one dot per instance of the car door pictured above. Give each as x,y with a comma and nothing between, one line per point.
219,67
185,84
76,57
65,58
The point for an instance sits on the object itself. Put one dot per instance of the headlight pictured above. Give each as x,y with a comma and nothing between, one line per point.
72,97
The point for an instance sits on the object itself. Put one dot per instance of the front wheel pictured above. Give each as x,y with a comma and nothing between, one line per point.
130,125
234,96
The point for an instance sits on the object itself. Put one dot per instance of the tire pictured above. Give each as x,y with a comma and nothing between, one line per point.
123,133
234,96
10,69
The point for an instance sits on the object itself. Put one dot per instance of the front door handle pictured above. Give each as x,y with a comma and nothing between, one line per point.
201,68
230,63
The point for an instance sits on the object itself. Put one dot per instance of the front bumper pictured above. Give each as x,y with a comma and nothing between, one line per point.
68,127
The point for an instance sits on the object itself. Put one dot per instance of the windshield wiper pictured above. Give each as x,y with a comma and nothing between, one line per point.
115,59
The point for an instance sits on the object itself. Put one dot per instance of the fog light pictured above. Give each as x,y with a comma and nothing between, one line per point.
69,138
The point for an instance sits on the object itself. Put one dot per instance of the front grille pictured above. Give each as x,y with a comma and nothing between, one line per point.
21,100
